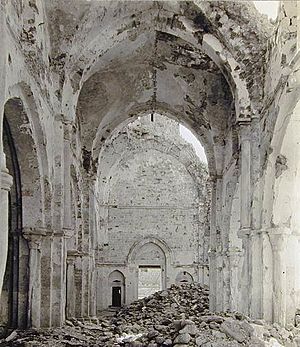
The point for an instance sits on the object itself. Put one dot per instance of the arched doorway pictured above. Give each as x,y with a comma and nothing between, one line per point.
117,288
151,262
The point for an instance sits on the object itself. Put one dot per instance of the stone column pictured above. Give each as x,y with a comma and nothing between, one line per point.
86,286
67,177
212,250
58,280
218,245
219,272
256,280
245,175
71,292
6,182
78,287
256,238
34,238
278,238
245,221
234,257
46,279
58,243
93,287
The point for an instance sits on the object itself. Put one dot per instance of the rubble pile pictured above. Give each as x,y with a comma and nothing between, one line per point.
177,317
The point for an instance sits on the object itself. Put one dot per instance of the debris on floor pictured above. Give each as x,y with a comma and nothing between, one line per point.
178,316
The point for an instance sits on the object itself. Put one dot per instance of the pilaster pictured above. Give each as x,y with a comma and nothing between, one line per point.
58,279
34,239
235,257
245,212
212,248
256,280
46,278
278,238
71,292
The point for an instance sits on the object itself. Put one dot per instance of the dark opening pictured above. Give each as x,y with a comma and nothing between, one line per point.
116,296
11,279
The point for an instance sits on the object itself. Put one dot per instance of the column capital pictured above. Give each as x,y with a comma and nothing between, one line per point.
279,230
68,232
74,253
245,130
64,232
278,237
233,251
34,237
6,180
70,260
244,233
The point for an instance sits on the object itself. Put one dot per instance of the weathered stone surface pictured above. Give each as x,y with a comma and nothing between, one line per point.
235,330
72,74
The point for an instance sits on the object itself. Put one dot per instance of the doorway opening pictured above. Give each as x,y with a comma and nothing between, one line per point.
150,280
116,296
117,285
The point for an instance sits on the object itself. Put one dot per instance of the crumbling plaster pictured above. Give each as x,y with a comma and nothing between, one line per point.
55,57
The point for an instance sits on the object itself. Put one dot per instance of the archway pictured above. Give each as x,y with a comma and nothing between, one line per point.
25,218
175,83
116,281
151,262
9,296
282,248
152,186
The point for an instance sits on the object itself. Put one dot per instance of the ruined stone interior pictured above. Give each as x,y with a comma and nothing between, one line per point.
103,201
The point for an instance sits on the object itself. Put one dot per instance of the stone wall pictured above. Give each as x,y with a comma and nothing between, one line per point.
81,71
152,195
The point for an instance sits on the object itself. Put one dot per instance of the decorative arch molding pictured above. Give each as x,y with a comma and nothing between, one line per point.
23,141
280,215
288,103
116,275
132,255
23,92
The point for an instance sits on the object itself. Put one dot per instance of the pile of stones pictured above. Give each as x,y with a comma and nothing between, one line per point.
178,317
